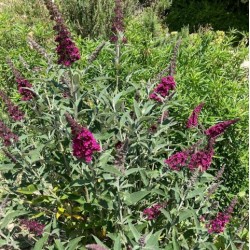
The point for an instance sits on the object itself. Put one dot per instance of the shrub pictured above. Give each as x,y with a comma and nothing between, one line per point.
94,18
100,161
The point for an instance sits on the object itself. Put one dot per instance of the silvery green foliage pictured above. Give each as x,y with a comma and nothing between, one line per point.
102,202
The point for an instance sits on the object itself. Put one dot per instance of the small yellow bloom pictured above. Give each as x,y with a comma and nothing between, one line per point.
174,33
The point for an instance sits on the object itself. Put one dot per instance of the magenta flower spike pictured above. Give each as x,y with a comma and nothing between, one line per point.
66,49
7,135
218,224
84,144
118,25
193,119
219,128
201,159
153,212
22,83
13,110
177,160
162,89
33,226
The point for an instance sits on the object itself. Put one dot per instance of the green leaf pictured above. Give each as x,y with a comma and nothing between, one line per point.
116,99
233,245
153,242
134,231
59,245
166,214
112,170
174,240
208,245
137,109
105,157
74,243
6,167
99,242
132,170
147,109
198,191
158,191
40,243
136,197
76,198
27,190
185,214
10,216
117,244
144,177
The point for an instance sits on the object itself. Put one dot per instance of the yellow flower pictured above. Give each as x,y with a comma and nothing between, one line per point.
174,33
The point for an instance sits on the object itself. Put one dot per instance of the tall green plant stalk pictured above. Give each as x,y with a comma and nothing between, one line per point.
117,64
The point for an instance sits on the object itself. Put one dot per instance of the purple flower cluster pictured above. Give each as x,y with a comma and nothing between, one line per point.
33,226
153,129
66,48
7,135
232,205
26,93
214,131
75,127
193,119
219,128
162,89
177,160
22,83
192,158
118,25
218,224
13,110
201,159
153,212
84,143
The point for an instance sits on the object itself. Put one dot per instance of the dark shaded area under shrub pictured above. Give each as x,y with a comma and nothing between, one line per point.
221,15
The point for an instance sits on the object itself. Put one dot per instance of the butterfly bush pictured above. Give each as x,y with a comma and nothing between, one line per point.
66,49
33,226
177,160
115,198
15,113
7,135
193,119
163,89
153,212
84,144
117,25
23,85
219,128
218,224
201,159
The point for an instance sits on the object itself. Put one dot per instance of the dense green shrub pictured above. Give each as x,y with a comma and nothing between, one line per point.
81,202
94,18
